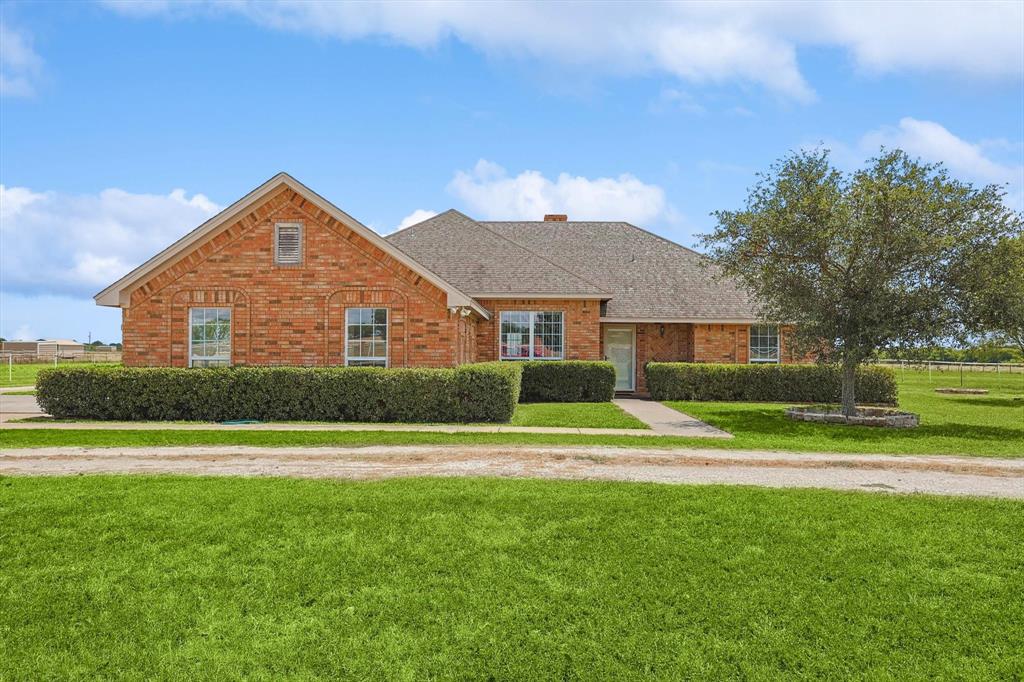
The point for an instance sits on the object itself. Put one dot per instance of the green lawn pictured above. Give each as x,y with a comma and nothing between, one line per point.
581,415
214,578
25,375
990,424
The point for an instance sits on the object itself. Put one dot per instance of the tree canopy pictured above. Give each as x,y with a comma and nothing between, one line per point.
863,261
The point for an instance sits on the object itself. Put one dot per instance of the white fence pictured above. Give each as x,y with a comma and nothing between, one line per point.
943,366
28,357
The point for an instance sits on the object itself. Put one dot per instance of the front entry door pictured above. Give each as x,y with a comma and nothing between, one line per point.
619,349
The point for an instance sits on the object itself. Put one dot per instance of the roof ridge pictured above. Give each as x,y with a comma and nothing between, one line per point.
603,222
544,258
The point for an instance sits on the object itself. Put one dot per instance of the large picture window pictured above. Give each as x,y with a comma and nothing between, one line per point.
527,335
764,343
209,343
366,337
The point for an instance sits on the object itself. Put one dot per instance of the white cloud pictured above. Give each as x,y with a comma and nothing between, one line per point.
75,245
698,42
974,162
417,216
933,142
19,64
490,193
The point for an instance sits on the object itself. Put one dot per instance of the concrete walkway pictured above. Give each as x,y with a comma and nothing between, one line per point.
873,473
668,422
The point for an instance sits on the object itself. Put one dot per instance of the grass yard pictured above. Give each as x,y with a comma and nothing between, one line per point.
212,578
579,415
990,424
25,375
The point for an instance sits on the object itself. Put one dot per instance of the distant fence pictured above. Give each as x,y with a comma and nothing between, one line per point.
946,366
26,357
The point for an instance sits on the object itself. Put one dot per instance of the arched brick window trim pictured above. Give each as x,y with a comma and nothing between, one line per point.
213,297
339,300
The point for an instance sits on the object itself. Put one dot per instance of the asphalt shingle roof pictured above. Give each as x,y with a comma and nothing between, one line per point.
480,261
642,275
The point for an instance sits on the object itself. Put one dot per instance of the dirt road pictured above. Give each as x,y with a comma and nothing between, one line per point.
879,473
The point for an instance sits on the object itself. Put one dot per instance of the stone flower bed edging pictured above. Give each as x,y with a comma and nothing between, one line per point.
963,391
866,416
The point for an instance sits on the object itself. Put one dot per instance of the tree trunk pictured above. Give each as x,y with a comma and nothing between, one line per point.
849,378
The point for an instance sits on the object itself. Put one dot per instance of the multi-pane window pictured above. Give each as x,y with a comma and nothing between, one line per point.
527,335
366,337
764,343
209,337
288,244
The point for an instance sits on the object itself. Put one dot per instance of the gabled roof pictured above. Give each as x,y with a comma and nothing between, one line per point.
649,277
118,293
486,263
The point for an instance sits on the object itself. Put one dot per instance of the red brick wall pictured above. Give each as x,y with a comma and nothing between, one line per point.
721,343
581,321
676,345
288,315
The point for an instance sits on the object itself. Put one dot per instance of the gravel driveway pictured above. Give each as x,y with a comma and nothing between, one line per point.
879,473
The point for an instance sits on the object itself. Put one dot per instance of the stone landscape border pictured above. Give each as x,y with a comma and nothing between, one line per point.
865,416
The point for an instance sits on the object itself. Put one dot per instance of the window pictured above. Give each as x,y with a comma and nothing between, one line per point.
288,244
764,343
209,342
531,335
366,337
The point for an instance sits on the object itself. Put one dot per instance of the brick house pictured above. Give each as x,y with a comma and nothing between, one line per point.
284,277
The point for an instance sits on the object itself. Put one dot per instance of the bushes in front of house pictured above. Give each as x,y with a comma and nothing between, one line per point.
567,381
484,392
766,383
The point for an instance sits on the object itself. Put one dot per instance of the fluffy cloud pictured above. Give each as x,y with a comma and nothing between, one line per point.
19,64
417,216
933,142
753,43
489,193
75,245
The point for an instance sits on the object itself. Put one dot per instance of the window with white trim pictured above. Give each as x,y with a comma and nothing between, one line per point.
529,335
288,243
764,343
366,337
209,340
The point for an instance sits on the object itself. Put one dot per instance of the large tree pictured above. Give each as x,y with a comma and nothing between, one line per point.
859,262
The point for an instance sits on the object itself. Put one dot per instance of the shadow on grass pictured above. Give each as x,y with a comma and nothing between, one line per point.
756,423
987,401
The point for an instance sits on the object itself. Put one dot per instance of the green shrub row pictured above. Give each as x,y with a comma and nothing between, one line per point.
567,381
766,383
485,392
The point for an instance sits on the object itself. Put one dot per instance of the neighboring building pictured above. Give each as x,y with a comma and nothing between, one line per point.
284,277
45,349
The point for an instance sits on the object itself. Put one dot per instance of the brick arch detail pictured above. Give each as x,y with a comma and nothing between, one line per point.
213,297
394,300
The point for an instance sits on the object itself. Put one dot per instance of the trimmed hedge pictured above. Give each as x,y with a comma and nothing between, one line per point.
485,392
766,383
567,381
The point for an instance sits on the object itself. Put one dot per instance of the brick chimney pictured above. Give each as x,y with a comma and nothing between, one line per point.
556,218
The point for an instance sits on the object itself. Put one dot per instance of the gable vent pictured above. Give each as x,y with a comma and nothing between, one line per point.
288,244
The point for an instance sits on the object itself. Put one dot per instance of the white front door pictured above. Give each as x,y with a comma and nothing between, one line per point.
620,350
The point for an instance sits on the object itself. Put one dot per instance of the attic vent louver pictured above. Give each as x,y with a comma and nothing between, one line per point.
288,244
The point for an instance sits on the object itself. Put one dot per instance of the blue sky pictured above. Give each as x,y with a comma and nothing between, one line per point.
125,125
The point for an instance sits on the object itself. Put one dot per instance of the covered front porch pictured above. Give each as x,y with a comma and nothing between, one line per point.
631,345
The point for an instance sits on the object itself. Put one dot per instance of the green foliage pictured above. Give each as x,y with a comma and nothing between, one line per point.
989,351
486,392
993,291
864,261
765,383
567,381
